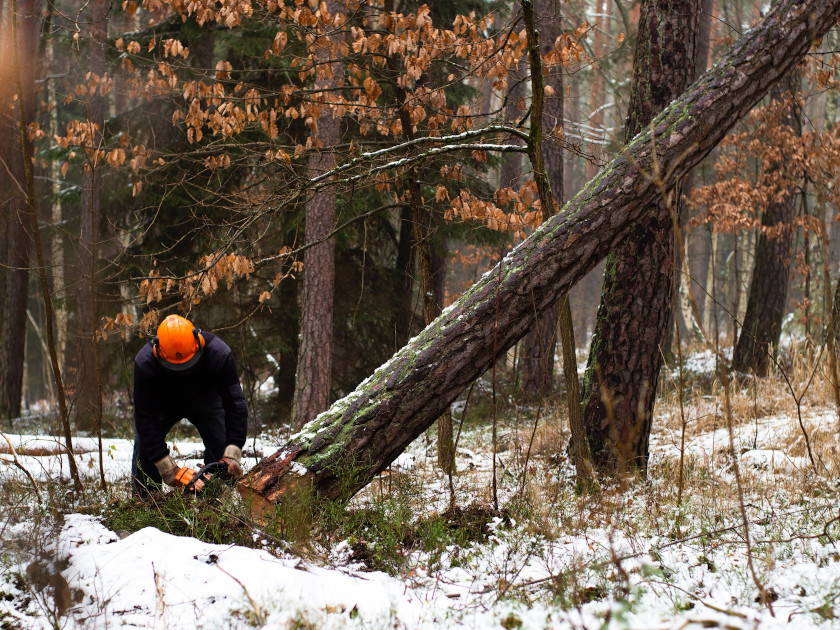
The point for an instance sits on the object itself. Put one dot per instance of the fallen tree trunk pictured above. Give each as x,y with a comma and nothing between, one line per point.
342,449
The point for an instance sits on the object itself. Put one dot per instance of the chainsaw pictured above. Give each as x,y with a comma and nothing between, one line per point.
203,474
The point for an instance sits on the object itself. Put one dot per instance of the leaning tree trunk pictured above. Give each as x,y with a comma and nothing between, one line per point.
340,451
13,204
626,354
771,274
539,345
314,366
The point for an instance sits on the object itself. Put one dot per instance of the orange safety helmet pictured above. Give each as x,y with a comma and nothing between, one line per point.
178,345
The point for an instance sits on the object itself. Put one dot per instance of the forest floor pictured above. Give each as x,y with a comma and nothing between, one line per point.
637,555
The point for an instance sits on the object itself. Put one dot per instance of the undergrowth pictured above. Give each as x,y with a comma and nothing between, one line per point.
614,545
380,535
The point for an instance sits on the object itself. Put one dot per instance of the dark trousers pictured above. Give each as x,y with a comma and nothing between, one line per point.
211,427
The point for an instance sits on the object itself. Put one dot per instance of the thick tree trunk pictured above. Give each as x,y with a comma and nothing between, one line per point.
539,345
314,365
771,274
342,449
13,205
88,399
626,355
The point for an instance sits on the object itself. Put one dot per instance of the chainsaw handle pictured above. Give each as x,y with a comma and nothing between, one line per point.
206,469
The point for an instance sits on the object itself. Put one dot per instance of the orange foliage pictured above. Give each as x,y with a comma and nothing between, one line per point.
765,164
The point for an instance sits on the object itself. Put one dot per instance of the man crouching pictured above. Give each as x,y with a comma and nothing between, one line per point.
185,373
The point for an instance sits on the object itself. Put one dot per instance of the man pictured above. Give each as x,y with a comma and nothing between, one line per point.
185,373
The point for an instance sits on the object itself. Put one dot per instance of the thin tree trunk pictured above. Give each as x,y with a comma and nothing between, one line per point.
597,89
539,346
759,337
422,224
405,268
438,263
341,451
511,167
56,247
314,366
88,399
29,196
591,285
626,355
13,203
683,310
5,183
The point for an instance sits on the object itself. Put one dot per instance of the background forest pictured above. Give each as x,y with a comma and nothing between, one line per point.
593,242
174,151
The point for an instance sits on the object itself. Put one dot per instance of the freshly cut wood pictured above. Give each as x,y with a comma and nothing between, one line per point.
341,450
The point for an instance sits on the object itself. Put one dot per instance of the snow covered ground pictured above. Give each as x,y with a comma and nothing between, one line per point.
633,560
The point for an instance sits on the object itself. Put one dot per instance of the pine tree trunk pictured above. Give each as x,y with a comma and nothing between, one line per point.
13,205
341,451
626,354
762,327
314,366
88,398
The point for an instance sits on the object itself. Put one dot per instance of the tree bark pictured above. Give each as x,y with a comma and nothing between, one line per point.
88,399
40,259
314,365
539,345
762,326
625,355
340,451
13,204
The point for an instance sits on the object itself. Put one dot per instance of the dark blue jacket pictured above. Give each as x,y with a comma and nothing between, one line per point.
162,397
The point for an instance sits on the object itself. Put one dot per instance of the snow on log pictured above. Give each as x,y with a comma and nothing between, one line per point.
341,450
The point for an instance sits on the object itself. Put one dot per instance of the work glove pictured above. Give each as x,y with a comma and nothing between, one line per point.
174,475
233,458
